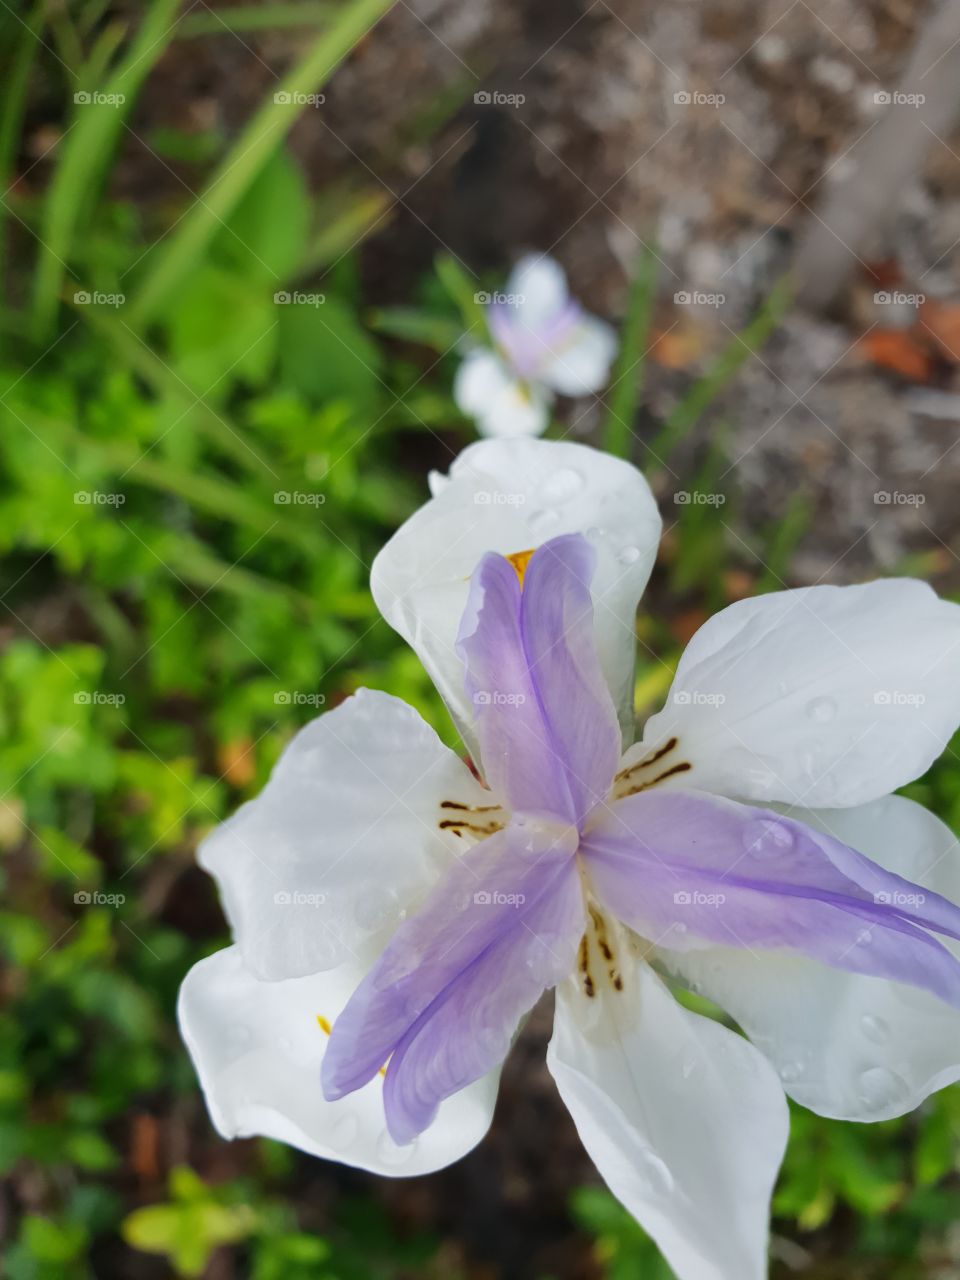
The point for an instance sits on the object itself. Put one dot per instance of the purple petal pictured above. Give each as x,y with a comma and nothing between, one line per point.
446,996
684,867
546,723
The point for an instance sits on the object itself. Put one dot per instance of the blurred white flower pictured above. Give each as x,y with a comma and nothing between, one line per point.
544,343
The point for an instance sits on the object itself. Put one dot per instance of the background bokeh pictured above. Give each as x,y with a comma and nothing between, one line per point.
239,247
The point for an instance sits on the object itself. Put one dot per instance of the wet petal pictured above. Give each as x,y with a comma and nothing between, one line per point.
549,740
258,1048
825,697
685,1121
684,868
343,839
449,991
846,1045
511,496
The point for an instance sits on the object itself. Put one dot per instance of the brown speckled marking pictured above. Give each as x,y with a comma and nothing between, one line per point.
682,767
459,825
598,926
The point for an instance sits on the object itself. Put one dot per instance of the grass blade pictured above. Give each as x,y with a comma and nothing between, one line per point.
626,387
86,151
174,258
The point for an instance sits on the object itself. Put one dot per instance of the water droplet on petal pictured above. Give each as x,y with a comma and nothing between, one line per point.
879,1088
562,485
595,533
688,1068
822,710
791,1071
342,1132
391,1154
629,555
679,927
874,1029
541,522
765,836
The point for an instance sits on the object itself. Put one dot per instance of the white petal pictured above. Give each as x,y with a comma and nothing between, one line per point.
514,495
686,1122
825,696
580,365
342,839
486,390
257,1048
540,287
848,1046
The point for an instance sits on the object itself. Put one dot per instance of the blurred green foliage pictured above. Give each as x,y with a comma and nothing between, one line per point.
207,435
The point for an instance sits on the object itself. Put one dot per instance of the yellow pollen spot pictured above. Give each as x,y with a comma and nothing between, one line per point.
520,560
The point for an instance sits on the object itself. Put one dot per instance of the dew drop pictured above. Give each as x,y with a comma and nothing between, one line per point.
688,1068
562,485
874,1029
791,1071
765,836
343,1132
595,533
541,522
391,1154
629,555
879,1088
822,710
